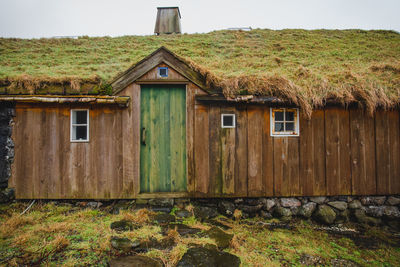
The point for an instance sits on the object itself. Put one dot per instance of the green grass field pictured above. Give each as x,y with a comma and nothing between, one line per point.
66,235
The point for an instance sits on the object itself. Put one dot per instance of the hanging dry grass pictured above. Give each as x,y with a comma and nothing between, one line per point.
30,84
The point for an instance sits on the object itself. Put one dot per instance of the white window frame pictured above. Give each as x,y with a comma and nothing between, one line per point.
296,131
74,124
222,120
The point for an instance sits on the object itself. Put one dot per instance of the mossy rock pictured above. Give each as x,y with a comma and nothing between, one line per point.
325,214
123,225
222,238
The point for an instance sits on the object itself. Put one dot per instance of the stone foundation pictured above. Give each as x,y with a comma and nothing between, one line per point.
370,210
7,112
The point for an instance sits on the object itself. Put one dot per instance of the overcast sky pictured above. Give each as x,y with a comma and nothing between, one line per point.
47,18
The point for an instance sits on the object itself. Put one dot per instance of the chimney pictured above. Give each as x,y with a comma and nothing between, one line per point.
168,20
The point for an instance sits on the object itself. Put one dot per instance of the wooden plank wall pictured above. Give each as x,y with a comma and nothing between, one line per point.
338,152
48,165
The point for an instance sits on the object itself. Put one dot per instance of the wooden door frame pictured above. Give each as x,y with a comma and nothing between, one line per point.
165,194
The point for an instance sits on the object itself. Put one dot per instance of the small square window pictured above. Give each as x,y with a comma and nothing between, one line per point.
163,72
284,122
79,125
228,121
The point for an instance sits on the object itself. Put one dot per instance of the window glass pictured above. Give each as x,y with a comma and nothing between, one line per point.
289,126
279,127
80,117
279,116
163,71
289,116
81,133
228,120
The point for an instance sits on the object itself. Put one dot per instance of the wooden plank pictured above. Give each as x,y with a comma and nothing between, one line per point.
241,154
94,163
53,158
215,185
387,151
362,153
190,126
128,152
281,180
306,155
370,154
293,166
255,186
34,144
393,125
154,133
201,150
319,184
103,186
382,155
338,175
135,120
65,149
20,179
228,145
167,157
111,145
267,155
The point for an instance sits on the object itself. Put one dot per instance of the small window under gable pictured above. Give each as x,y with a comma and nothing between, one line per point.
79,125
162,72
228,121
284,122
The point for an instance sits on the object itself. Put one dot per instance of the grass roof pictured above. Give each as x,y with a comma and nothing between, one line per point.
305,67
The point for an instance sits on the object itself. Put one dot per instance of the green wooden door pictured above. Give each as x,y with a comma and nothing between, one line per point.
163,138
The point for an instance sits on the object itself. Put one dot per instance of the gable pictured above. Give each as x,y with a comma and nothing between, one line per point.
148,65
152,75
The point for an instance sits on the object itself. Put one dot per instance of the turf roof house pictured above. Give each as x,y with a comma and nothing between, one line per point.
168,131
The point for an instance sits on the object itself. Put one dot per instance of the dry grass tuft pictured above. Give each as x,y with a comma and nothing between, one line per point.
58,243
30,84
237,214
395,69
55,227
14,222
141,216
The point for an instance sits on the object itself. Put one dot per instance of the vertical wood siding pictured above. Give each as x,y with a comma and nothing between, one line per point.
338,152
48,165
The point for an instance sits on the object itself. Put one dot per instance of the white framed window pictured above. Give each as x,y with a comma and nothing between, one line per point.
284,121
162,72
228,121
79,125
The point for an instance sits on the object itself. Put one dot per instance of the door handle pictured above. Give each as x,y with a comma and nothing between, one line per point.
144,136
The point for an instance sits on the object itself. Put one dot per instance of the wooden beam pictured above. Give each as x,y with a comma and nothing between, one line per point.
122,101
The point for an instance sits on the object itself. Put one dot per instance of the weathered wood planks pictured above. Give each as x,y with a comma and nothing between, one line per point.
338,152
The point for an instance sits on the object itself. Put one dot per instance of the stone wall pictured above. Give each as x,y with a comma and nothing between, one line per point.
7,112
371,210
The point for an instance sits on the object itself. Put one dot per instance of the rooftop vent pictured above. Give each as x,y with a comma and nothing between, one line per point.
168,20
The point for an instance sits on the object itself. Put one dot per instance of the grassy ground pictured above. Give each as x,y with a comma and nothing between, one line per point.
55,235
